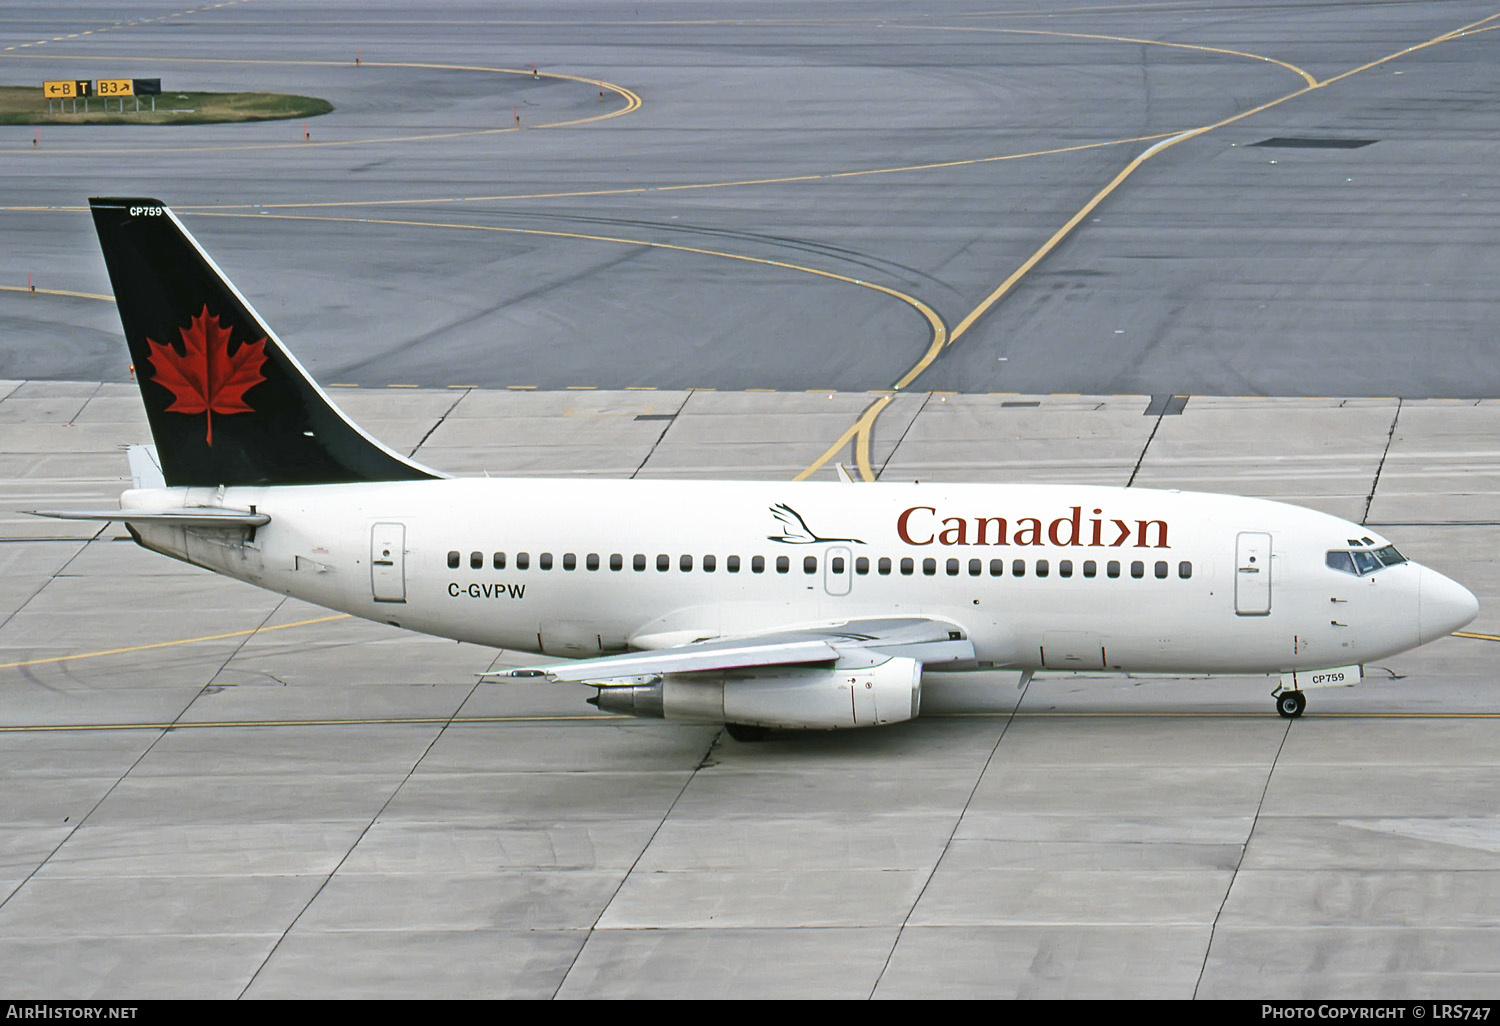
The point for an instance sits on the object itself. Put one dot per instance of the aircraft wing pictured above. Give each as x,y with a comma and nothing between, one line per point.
927,640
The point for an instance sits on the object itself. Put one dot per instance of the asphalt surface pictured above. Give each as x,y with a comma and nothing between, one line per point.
1215,267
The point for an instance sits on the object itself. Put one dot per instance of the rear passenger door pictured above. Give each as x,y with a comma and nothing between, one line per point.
388,562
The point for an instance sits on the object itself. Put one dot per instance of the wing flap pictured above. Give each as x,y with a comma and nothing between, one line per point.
628,669
924,639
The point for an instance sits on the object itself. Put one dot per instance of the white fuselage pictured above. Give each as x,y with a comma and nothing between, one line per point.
1087,578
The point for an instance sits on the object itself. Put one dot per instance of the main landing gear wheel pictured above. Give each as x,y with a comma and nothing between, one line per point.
745,732
1290,704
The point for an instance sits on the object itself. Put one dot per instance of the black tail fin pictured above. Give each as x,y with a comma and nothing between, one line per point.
228,405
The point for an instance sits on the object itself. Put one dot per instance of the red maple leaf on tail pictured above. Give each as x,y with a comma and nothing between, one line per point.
206,378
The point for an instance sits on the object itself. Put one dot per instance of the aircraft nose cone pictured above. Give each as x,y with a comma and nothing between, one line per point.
1443,605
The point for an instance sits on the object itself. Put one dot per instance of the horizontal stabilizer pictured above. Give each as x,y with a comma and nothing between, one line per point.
145,467
201,516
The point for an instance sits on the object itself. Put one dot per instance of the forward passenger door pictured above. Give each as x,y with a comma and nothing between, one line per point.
1252,574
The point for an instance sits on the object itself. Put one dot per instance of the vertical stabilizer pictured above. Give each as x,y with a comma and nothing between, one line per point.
227,403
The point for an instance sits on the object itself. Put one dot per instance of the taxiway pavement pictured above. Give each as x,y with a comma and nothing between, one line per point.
214,791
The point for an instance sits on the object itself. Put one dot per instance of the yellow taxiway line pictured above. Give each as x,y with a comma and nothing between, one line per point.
935,324
170,644
1309,79
866,422
859,428
611,718
418,721
57,292
632,103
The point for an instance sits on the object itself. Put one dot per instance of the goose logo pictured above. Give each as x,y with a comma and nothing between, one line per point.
794,530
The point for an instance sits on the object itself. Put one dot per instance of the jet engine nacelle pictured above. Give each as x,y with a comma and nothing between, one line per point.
786,697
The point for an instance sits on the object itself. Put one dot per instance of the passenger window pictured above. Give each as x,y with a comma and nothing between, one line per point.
1137,569
544,561
710,564
1161,570
453,560
976,567
499,561
1065,568
523,560
476,560
809,564
783,564
838,564
663,562
616,561
1185,570
862,565
591,561
929,566
884,566
1112,568
1041,568
685,563
952,568
1018,568
997,568
570,561
1090,568
757,564
907,566
732,564
638,562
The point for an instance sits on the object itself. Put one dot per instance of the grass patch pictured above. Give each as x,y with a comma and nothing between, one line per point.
25,105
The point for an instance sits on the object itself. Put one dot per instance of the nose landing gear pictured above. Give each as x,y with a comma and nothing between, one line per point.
1290,703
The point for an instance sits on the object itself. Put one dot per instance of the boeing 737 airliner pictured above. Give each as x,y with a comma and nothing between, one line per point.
756,605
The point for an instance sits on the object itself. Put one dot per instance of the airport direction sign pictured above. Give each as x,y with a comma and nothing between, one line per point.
59,90
72,90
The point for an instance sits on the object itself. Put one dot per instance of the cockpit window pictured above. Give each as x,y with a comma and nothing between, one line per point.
1360,561
1342,562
